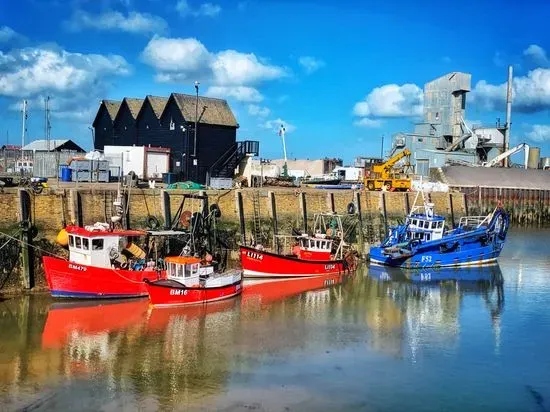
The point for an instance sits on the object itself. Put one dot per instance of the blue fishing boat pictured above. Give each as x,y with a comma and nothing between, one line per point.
425,241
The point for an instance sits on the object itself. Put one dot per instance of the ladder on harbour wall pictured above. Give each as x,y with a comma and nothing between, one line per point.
257,232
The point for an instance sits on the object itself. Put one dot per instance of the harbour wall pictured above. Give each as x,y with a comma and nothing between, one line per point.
51,210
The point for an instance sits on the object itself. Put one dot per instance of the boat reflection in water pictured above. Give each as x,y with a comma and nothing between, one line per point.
430,301
175,355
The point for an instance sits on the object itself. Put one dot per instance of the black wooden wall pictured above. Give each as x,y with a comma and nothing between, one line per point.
125,131
103,129
212,140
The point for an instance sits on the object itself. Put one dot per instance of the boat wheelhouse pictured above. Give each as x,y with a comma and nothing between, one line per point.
189,280
322,252
102,263
424,240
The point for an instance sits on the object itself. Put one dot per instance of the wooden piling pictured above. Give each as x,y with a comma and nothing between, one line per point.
385,213
452,210
360,237
303,208
240,211
274,220
126,209
407,204
330,202
166,210
27,255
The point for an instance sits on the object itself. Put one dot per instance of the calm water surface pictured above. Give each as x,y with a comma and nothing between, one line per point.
377,341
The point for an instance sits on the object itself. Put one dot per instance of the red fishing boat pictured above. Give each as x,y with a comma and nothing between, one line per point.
102,263
320,253
190,281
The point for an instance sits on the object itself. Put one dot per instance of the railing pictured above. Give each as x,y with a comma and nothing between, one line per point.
471,221
232,157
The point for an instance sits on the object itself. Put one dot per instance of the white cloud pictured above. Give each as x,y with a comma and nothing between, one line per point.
310,64
240,93
76,81
391,100
205,9
539,133
176,55
133,22
537,55
367,122
275,125
229,73
233,67
259,111
530,93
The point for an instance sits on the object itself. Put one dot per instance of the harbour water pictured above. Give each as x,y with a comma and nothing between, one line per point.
375,341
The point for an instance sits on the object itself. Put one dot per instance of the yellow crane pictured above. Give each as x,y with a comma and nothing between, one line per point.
384,174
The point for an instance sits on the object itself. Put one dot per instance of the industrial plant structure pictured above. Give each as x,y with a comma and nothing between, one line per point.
443,137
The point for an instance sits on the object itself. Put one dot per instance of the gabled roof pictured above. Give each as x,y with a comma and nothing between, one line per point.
134,105
210,110
42,145
158,104
111,106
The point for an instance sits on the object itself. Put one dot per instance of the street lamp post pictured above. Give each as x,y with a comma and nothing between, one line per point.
382,149
195,162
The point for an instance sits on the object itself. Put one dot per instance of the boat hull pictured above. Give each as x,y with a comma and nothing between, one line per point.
260,264
165,293
474,255
70,280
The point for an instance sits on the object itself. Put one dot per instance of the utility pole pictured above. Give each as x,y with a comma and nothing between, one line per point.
382,148
508,114
282,132
195,162
47,125
24,131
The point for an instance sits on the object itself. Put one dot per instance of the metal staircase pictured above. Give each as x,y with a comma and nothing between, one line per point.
227,163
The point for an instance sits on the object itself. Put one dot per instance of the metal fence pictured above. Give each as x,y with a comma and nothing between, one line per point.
28,163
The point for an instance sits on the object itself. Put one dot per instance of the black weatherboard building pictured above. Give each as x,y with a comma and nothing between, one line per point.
170,122
103,123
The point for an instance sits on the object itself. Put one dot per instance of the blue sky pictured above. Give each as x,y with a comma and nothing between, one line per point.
304,64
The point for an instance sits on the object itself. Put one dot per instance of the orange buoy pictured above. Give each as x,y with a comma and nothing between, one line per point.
62,238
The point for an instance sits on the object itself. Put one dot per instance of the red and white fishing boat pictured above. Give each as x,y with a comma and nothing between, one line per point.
323,252
190,281
102,263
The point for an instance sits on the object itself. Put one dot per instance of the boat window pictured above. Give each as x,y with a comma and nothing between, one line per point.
71,240
180,271
97,244
421,224
85,243
78,242
434,225
440,224
428,236
414,222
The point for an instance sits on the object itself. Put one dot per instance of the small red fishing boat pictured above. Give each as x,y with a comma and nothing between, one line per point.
323,252
102,263
188,282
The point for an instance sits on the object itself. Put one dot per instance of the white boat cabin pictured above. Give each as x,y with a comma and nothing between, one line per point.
100,248
189,271
425,226
316,247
